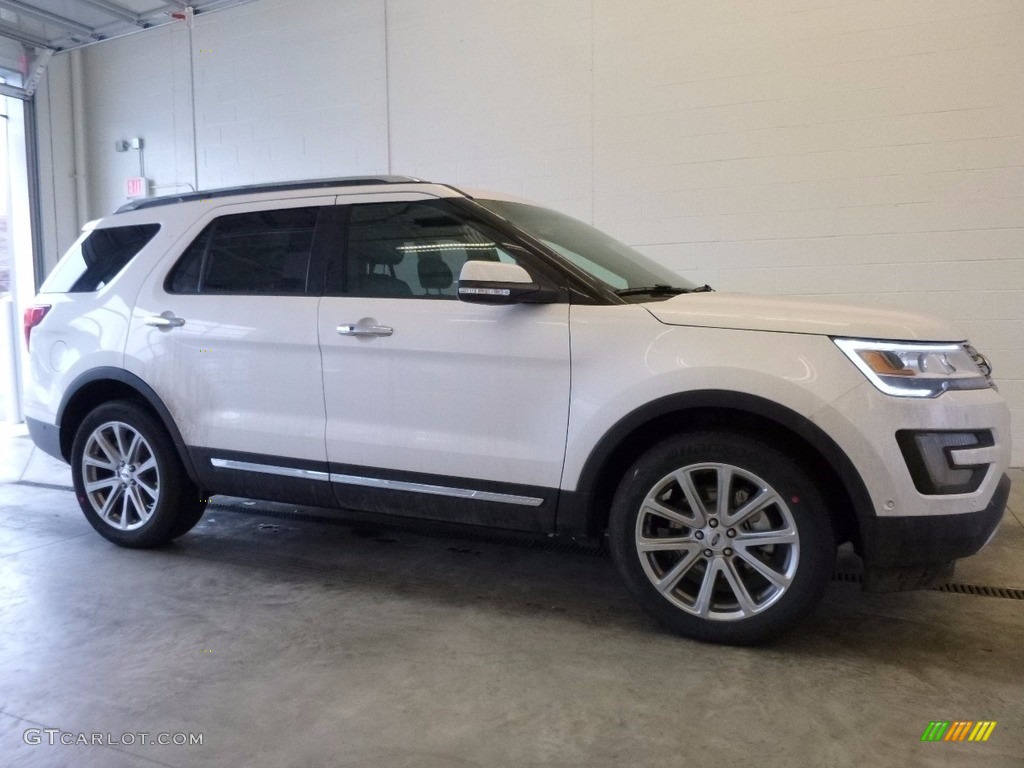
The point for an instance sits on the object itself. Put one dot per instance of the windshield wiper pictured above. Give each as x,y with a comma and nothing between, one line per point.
653,290
661,290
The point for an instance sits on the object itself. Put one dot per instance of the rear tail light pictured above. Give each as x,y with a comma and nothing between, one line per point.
33,317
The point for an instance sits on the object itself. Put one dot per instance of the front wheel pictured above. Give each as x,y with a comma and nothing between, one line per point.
722,537
129,480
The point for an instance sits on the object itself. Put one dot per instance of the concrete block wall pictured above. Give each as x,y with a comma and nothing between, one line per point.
495,95
858,150
870,152
139,89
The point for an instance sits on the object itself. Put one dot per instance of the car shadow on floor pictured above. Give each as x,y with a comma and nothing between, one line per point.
526,577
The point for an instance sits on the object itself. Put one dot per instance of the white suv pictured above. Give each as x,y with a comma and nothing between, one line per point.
396,346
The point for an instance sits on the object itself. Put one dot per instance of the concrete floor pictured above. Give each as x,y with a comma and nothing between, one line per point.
289,642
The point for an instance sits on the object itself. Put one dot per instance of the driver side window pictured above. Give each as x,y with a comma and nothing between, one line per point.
408,250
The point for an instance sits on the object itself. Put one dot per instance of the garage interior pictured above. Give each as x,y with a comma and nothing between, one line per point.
866,152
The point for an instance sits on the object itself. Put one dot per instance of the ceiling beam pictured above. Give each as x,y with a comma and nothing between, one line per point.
45,16
113,9
23,37
76,35
155,17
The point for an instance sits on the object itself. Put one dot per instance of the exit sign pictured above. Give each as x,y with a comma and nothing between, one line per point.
138,186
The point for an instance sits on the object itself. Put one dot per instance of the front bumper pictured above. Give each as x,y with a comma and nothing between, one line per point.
866,424
911,552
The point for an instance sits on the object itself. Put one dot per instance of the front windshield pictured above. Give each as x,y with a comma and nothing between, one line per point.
615,264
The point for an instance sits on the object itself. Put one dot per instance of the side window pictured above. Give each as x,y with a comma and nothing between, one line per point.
262,252
98,257
408,250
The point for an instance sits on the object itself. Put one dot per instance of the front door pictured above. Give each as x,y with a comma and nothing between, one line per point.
435,407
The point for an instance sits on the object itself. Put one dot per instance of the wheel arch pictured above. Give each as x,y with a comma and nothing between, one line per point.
585,511
103,385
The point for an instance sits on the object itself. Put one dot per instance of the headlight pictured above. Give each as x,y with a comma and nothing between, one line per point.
905,369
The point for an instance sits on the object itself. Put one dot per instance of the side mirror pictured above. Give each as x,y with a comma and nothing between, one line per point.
495,282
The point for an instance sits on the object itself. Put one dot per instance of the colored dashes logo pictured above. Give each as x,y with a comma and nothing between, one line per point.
958,730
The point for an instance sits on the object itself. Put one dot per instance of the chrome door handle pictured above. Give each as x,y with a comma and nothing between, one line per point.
164,321
365,330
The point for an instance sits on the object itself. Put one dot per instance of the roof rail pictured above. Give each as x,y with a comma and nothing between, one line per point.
277,186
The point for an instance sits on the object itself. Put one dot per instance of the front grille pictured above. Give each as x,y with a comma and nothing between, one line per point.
981,361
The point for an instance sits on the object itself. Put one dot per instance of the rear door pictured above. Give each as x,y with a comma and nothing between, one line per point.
226,334
436,407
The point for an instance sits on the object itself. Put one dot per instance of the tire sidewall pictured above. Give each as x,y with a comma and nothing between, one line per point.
804,500
174,483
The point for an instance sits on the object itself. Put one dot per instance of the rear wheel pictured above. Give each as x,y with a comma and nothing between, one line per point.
722,537
129,480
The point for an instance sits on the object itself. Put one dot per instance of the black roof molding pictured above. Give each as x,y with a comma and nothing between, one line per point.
277,186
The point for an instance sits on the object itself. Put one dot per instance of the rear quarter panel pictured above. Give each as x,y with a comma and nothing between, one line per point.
83,331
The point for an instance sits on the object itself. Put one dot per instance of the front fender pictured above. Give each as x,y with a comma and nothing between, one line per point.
652,363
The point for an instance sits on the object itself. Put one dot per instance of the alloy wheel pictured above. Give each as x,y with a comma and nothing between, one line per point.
120,476
717,541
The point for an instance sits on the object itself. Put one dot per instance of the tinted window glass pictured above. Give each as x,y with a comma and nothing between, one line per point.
409,250
263,252
185,275
98,257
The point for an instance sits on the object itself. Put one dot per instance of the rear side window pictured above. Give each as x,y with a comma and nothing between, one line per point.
97,258
262,252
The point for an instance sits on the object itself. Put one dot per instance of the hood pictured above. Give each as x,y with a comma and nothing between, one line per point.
799,315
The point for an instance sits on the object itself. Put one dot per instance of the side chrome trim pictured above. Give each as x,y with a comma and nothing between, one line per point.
376,482
437,490
270,469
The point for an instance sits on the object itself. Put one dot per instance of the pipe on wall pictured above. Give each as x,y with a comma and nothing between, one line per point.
78,134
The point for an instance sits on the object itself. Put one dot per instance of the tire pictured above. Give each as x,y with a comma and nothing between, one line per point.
188,518
129,480
737,573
